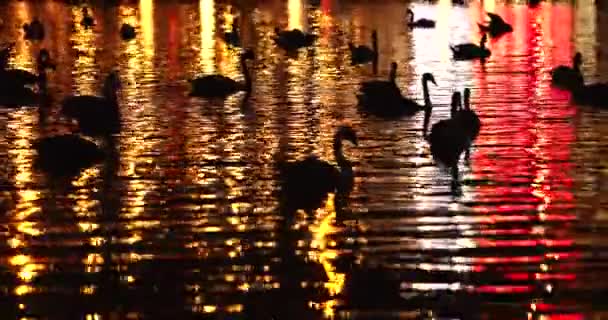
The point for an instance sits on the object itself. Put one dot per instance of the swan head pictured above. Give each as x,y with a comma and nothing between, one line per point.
410,12
429,77
347,133
467,97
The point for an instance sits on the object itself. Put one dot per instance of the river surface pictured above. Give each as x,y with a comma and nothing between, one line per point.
183,222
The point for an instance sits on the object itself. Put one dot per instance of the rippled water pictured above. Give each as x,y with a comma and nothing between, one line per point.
184,222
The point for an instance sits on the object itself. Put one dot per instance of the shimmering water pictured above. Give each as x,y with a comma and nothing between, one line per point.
184,222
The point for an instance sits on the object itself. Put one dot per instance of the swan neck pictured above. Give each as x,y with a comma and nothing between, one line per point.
427,119
425,92
392,76
246,74
342,162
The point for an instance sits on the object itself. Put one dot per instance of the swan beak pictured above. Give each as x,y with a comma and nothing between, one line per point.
433,81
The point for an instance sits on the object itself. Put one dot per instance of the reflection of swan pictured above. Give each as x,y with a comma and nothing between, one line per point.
293,39
66,155
568,77
34,30
305,184
496,27
127,31
96,115
364,54
388,102
470,51
218,86
420,23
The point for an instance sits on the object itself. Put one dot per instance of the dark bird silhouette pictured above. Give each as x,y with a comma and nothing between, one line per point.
14,92
388,102
127,31
96,115
363,54
87,20
233,38
469,120
593,95
470,51
291,40
420,23
496,27
66,155
34,30
218,86
11,78
305,184
568,77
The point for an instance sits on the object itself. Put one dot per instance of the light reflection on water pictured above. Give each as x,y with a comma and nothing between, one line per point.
183,219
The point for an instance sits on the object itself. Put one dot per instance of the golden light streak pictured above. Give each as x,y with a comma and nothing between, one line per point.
146,11
294,11
207,53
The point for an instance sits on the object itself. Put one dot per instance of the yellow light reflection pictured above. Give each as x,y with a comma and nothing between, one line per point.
85,70
294,10
146,10
207,53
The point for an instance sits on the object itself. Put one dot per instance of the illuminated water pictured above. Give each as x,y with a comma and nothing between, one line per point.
184,221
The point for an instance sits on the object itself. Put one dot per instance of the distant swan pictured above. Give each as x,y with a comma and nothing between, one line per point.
66,155
13,84
496,27
364,54
469,51
420,23
392,104
96,115
34,30
87,20
218,86
127,32
568,77
291,40
10,78
232,37
305,184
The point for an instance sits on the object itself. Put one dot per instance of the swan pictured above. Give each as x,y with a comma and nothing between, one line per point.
468,119
392,104
305,184
469,51
496,27
218,86
66,155
87,20
568,77
96,115
381,87
34,30
127,31
232,38
295,39
11,78
364,54
420,23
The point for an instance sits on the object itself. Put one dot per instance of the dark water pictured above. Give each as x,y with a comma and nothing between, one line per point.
184,222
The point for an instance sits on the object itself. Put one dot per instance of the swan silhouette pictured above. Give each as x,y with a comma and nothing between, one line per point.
468,119
364,54
96,115
593,95
87,20
218,86
13,84
420,23
66,155
381,87
392,104
291,40
127,32
496,27
568,77
470,51
34,30
305,184
232,37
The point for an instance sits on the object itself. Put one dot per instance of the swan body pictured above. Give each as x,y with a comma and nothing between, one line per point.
305,184
364,54
66,155
496,27
34,30
14,92
470,51
594,95
295,39
381,87
127,32
96,115
568,77
468,119
388,102
420,23
219,86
